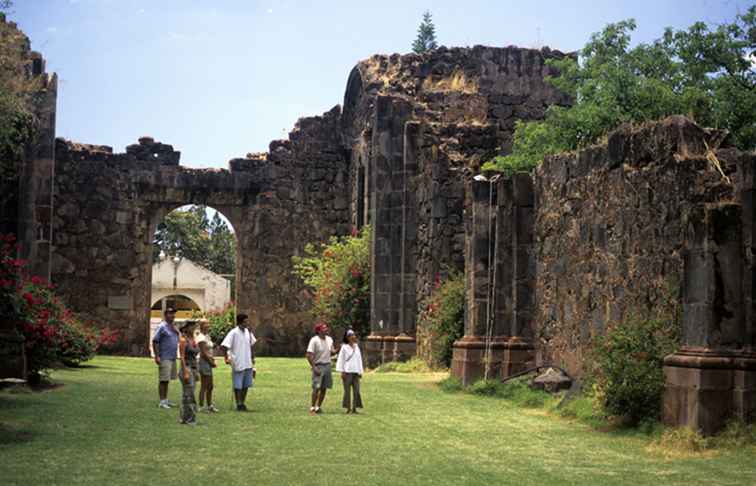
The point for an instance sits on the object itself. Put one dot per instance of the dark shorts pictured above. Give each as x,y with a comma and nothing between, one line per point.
324,379
204,368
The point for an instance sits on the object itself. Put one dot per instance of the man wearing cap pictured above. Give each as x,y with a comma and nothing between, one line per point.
319,352
165,347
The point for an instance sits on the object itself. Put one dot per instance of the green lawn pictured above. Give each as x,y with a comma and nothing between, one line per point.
104,427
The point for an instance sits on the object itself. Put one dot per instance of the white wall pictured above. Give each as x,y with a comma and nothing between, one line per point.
209,290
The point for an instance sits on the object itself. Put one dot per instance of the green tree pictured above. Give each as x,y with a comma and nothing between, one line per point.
426,35
188,233
17,121
706,73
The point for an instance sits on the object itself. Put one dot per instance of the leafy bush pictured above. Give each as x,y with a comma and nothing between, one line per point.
451,384
413,365
221,322
704,73
338,273
441,321
627,361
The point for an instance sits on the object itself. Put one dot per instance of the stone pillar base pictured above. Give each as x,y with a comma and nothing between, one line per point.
405,347
387,350
468,358
704,389
373,350
384,349
519,355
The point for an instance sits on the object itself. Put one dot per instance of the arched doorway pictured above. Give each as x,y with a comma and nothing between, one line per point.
194,263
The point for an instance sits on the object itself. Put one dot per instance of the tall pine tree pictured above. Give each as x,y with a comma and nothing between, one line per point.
426,35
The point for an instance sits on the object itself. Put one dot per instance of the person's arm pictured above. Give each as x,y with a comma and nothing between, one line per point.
311,359
182,355
340,363
156,345
205,352
226,347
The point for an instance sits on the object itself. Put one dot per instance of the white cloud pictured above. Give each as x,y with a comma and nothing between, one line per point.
52,30
140,11
270,10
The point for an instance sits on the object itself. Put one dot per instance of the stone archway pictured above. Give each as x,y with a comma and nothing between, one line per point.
156,215
109,204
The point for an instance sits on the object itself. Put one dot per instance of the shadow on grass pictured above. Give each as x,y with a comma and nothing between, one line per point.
14,434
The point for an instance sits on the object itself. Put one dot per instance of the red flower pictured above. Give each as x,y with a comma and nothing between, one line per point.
36,280
29,298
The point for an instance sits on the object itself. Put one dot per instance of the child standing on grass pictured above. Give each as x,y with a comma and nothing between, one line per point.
349,364
188,351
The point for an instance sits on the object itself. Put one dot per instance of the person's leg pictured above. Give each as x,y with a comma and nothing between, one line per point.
357,401
188,404
345,402
209,391
203,390
321,396
163,390
316,381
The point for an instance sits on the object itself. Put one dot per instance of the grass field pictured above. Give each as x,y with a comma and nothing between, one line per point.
103,427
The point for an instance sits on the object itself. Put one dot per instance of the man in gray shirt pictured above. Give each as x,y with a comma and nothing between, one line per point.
165,347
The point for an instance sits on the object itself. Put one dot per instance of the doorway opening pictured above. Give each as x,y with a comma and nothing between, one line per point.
194,259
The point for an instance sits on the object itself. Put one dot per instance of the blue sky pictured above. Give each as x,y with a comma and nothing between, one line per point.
218,79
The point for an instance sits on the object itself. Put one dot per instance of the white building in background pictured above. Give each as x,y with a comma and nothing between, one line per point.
187,286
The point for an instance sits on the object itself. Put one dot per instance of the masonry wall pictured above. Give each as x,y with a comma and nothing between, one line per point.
108,206
611,226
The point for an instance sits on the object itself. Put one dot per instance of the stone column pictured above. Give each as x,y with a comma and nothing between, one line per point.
387,196
519,353
748,169
404,344
37,177
712,378
469,353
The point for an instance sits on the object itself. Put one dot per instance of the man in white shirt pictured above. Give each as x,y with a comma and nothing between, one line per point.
238,348
319,352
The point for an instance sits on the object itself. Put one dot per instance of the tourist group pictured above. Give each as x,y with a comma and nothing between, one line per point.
181,352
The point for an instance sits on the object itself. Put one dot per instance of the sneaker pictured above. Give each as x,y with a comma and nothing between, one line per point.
318,410
163,405
211,408
205,409
312,411
241,407
170,403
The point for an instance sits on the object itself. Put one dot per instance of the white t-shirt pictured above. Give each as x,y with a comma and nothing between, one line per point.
320,349
349,360
238,344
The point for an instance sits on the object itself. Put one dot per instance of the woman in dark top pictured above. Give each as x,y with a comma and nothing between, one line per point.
188,351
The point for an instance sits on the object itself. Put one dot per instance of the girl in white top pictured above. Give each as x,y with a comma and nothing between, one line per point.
349,364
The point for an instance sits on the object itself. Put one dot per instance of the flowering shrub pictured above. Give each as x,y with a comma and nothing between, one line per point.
441,320
338,273
221,322
53,334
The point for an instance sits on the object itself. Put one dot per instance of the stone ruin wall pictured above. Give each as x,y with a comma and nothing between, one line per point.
108,207
612,227
415,126
395,158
